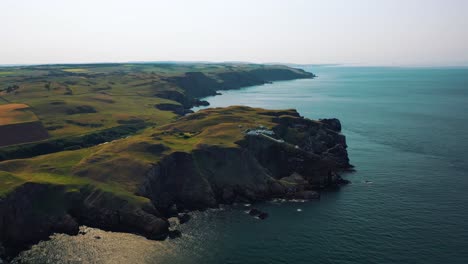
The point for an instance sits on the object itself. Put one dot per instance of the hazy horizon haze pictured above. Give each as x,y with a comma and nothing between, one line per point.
364,32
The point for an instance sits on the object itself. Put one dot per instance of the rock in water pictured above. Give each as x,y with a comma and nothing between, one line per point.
257,213
183,218
263,215
174,234
254,212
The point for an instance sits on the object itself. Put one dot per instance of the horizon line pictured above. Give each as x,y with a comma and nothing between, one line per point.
242,62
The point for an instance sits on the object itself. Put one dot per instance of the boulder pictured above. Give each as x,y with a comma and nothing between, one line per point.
173,221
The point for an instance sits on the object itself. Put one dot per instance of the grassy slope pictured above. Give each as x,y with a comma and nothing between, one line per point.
120,166
116,92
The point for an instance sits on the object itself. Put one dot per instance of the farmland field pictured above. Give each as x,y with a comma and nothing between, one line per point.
16,113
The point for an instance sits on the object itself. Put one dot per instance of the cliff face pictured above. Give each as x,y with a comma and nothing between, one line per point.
198,84
33,211
205,178
259,167
24,220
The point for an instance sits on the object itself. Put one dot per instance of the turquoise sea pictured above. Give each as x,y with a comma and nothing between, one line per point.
407,131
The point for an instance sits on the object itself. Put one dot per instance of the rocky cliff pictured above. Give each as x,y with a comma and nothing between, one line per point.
33,211
257,167
198,84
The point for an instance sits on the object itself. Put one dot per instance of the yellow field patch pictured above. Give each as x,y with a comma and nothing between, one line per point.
16,113
5,73
76,70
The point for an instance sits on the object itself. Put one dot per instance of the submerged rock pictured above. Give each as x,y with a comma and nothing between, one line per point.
174,234
254,212
263,215
257,213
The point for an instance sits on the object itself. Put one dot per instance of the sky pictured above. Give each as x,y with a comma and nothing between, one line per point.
355,32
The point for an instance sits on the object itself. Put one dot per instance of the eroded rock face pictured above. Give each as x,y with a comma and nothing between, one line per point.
25,220
301,157
198,84
34,211
205,178
332,123
108,212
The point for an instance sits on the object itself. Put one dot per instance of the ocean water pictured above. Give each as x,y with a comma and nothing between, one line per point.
407,131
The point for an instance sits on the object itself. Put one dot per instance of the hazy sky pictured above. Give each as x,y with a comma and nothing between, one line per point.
376,32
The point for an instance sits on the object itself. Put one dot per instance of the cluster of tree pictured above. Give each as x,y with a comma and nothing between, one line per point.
12,88
71,143
47,86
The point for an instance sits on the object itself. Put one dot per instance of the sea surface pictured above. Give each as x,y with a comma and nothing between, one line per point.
407,131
